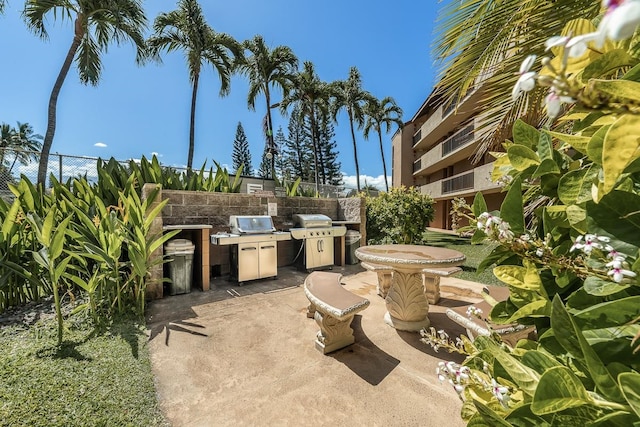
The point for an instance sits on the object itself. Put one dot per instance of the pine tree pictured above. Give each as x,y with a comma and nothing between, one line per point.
264,171
282,169
329,150
297,149
241,154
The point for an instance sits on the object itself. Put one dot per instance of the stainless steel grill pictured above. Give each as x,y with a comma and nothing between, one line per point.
316,232
254,246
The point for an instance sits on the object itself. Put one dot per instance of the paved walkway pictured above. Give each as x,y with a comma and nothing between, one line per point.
237,356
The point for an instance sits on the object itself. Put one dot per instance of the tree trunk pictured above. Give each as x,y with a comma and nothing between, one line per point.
355,150
192,125
270,141
53,101
384,165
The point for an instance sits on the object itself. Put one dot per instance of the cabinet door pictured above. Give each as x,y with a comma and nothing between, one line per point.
248,261
268,259
326,251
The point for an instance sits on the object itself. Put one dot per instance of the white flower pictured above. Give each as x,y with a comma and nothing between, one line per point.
500,392
620,21
617,271
539,252
473,311
591,241
574,47
526,81
554,103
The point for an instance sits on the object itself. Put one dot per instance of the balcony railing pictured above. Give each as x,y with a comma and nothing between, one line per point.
417,165
457,183
417,136
458,140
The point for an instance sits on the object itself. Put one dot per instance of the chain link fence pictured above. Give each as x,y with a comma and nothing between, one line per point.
15,163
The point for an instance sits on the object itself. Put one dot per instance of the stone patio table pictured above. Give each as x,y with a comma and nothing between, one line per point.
407,305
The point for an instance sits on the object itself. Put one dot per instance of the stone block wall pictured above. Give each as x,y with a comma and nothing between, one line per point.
204,208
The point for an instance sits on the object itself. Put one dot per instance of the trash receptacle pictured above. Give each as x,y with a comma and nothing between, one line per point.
351,243
181,266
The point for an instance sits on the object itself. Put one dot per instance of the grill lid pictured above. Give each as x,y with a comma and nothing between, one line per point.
245,224
312,220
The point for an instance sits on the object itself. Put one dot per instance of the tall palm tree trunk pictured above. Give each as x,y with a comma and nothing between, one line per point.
53,102
384,165
270,142
355,151
192,127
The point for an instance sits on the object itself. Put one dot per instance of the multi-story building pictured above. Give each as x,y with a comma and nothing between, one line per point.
433,152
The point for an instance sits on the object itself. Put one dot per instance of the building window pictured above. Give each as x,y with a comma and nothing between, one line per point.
417,165
417,136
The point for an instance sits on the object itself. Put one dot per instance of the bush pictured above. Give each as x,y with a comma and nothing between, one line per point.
399,216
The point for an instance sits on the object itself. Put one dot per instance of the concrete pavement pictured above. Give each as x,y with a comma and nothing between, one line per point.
236,356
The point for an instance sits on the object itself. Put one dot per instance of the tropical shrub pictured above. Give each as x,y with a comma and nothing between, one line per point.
572,267
398,216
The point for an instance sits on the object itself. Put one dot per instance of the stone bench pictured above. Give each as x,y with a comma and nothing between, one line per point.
474,326
430,279
333,308
385,275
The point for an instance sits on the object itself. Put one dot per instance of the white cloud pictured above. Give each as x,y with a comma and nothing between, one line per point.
375,181
100,144
155,153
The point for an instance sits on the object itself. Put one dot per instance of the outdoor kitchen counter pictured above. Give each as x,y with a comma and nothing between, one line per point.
201,241
341,240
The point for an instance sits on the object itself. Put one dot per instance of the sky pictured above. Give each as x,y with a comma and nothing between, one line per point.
144,110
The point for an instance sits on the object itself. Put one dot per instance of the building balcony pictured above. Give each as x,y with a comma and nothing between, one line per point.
457,147
443,119
464,184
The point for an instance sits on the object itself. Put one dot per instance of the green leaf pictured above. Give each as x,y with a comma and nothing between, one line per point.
609,314
621,147
577,218
479,205
619,90
576,141
574,187
571,338
601,288
633,74
546,167
618,213
58,240
559,389
512,209
545,146
490,415
539,361
606,64
9,223
596,145
630,386
525,134
522,157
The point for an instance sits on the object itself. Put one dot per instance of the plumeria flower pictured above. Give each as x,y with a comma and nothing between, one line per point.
617,271
526,81
620,21
500,392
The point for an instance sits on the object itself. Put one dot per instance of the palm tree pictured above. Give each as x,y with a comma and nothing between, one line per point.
3,3
351,97
96,25
309,97
378,114
265,69
186,29
20,142
485,41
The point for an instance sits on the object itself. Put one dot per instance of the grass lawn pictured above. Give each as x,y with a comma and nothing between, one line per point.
92,380
474,253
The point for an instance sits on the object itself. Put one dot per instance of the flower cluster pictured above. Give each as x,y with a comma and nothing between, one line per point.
495,228
440,338
460,377
620,21
587,243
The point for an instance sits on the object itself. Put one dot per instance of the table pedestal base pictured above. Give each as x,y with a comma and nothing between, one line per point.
403,325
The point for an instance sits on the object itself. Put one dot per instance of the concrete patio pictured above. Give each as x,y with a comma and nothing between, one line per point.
246,356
